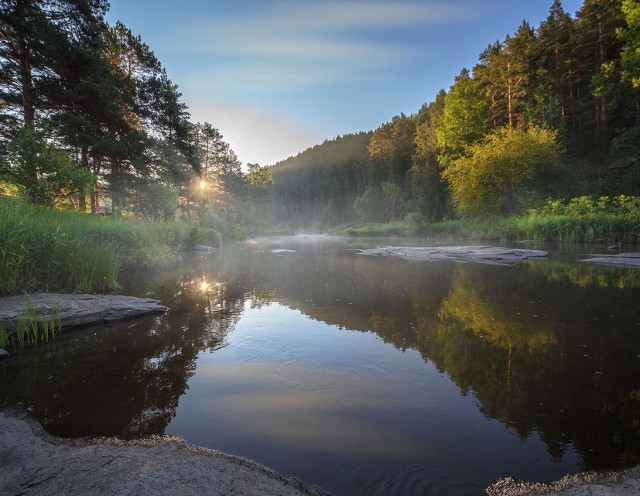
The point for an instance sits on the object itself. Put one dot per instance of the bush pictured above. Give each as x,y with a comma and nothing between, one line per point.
584,218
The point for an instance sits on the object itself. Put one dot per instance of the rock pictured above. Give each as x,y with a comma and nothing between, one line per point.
3,354
481,254
623,163
203,249
614,483
37,464
630,260
76,310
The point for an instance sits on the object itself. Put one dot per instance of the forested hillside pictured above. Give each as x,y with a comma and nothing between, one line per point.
320,185
541,115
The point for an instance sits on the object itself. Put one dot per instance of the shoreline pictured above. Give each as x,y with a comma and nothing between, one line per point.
36,463
610,483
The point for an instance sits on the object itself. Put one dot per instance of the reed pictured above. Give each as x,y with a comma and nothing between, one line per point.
33,326
45,250
374,230
582,219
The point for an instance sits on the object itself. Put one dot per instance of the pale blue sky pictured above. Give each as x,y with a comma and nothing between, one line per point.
276,77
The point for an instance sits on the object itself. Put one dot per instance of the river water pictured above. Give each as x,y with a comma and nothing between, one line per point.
363,375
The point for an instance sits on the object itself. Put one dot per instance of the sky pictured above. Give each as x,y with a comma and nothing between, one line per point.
276,77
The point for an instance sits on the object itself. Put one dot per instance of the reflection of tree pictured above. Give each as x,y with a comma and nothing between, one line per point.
539,353
124,381
542,355
588,276
481,306
262,294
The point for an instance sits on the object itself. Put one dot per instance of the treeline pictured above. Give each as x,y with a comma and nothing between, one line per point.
540,116
319,186
91,121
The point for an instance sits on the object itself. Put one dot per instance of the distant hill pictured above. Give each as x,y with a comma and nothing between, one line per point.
318,186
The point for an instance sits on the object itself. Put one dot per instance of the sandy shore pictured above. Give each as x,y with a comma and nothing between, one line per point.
34,463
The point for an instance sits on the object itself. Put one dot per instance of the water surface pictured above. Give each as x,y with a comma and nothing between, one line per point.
364,375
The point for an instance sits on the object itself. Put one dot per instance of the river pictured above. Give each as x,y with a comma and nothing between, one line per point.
363,375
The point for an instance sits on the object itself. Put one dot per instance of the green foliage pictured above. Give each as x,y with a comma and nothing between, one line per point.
33,325
45,250
630,55
156,200
373,230
627,142
319,185
585,219
492,175
417,223
42,171
370,206
429,195
259,179
465,119
391,149
585,206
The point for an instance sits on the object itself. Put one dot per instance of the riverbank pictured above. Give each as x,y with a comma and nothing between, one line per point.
613,221
34,463
614,483
41,249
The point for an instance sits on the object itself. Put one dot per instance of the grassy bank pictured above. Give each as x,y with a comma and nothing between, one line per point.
582,219
45,250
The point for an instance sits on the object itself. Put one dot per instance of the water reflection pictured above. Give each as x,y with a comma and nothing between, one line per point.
124,381
280,351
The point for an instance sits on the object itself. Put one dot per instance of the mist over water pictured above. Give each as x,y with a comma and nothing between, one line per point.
364,375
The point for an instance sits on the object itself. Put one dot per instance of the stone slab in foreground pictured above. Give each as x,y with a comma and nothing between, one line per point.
76,310
481,254
37,464
630,260
622,483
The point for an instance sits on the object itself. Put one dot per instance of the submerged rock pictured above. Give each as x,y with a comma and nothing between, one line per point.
75,310
481,254
3,354
631,260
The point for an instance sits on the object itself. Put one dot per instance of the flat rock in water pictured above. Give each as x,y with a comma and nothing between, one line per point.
631,260
75,310
204,249
481,254
3,354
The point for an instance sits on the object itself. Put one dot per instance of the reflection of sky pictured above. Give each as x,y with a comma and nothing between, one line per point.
287,390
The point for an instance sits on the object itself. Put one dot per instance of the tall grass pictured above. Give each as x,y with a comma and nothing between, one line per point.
33,325
580,219
374,230
45,250
416,225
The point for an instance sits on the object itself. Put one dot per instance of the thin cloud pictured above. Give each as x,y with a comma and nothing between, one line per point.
293,44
